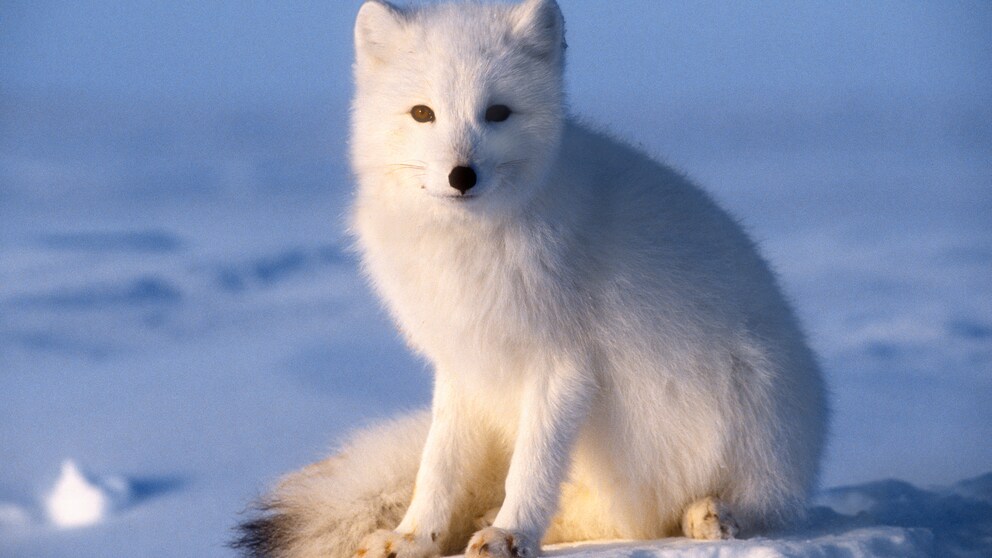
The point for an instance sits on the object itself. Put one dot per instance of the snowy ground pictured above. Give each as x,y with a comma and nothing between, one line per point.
180,317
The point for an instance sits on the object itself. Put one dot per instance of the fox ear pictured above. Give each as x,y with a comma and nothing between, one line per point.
540,27
378,27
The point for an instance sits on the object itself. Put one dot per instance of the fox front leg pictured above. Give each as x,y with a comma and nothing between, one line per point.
424,526
554,407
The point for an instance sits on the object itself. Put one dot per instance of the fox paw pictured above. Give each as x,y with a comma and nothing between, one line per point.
390,544
709,519
493,542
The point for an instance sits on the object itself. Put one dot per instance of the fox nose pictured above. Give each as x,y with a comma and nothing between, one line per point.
462,178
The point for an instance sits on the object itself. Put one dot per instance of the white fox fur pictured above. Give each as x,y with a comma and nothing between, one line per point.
612,356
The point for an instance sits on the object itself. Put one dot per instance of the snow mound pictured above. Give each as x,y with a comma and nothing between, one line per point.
979,488
78,500
958,516
878,542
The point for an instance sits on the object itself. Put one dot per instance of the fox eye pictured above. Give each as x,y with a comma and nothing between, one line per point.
497,113
422,113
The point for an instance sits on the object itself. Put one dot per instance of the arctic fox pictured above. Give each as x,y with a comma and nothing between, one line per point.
612,357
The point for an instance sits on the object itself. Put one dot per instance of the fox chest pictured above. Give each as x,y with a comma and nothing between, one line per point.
464,301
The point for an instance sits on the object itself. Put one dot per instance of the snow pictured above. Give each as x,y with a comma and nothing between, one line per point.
13,517
180,314
79,501
878,542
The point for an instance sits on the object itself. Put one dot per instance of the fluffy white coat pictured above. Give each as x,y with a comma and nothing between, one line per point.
612,357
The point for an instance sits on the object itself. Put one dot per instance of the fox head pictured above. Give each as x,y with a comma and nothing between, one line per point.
458,107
